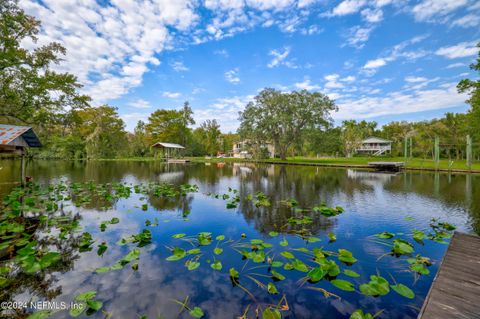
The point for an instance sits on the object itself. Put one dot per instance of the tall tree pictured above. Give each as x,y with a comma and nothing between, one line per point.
167,126
282,118
103,131
472,87
30,91
211,136
139,143
187,120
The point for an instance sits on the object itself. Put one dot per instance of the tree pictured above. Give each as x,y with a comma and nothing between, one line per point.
211,136
168,126
282,118
327,142
187,120
456,125
138,140
397,132
30,91
472,87
103,131
354,132
227,141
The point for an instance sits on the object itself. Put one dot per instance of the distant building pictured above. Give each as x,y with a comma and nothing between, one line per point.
243,149
169,149
375,146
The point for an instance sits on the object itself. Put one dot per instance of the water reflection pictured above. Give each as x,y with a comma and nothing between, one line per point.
374,202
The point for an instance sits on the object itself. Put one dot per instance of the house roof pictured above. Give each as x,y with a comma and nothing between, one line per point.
8,133
167,145
373,139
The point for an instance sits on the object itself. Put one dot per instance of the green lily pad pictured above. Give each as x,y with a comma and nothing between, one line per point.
343,284
403,290
217,265
196,312
272,289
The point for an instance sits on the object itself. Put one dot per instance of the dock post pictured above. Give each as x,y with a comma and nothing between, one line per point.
23,169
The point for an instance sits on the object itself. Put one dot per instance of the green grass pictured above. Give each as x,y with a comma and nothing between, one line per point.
416,163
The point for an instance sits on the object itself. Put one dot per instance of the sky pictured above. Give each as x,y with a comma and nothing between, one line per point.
381,60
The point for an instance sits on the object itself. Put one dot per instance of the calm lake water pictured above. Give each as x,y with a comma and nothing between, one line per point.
373,203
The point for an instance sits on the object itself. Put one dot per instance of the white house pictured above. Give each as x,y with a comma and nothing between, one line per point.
375,146
242,149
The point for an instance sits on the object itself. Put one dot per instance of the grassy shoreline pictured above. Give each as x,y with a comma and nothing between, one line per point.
353,162
358,162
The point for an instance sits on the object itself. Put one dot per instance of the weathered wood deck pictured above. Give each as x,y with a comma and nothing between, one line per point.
455,291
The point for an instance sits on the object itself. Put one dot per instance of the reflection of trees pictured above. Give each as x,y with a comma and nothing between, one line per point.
41,285
453,190
180,203
281,182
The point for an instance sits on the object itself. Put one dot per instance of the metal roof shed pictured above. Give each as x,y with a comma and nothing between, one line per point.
16,139
169,148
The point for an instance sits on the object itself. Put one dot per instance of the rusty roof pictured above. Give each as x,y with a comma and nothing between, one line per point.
8,133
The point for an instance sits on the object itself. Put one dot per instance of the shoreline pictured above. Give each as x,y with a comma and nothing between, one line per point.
333,165
295,162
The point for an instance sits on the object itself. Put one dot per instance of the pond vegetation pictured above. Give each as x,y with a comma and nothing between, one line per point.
39,236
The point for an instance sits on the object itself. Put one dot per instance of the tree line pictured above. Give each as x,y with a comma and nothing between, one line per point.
297,123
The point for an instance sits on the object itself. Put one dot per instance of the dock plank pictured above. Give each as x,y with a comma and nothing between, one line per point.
455,291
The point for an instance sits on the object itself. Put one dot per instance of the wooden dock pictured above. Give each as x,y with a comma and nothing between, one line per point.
177,160
455,291
387,166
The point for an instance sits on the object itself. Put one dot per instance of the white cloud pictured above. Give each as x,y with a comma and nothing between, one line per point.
270,4
459,50
375,64
307,85
290,25
171,95
140,104
109,47
179,66
428,10
348,79
228,108
415,79
222,52
347,7
313,29
400,103
305,3
232,76
278,57
468,21
372,15
357,36
332,81
398,51
455,65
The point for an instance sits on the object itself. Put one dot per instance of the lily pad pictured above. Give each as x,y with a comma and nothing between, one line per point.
343,284
196,312
403,290
217,265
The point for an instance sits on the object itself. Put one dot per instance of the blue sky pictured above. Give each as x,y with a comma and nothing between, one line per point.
380,60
